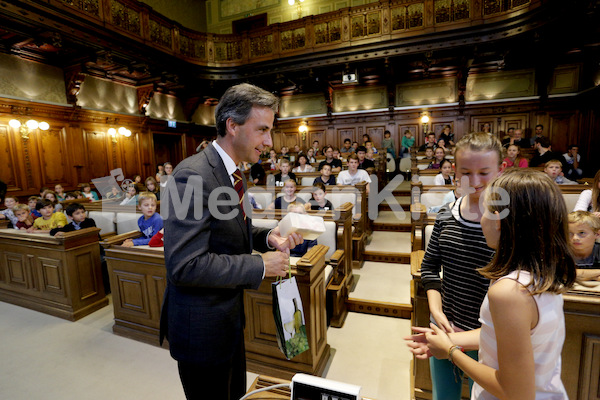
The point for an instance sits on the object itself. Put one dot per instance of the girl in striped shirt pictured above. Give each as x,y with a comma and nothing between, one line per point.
458,245
523,327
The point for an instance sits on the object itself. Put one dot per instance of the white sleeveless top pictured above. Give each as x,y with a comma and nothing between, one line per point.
547,340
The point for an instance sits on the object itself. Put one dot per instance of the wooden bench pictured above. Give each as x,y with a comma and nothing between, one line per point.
338,195
60,276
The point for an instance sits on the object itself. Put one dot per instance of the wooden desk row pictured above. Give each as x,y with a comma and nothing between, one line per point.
59,276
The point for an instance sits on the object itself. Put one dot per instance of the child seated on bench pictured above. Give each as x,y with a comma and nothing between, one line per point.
10,202
318,201
584,229
79,220
25,218
326,178
150,222
49,219
553,169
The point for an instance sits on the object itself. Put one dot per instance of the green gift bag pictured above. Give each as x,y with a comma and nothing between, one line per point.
289,318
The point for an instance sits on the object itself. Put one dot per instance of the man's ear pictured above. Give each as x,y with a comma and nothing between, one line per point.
230,127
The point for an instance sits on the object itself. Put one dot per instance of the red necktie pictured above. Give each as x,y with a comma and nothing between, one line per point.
238,185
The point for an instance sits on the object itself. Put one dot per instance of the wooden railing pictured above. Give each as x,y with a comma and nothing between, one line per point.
378,21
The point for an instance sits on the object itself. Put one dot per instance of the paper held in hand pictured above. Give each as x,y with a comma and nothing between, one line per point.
309,226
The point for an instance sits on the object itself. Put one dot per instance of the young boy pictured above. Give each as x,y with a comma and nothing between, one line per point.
32,201
318,201
49,219
429,154
326,178
353,175
408,141
150,222
584,229
388,144
25,218
553,169
285,174
76,212
10,202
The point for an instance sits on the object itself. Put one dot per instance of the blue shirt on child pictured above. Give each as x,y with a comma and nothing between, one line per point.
149,227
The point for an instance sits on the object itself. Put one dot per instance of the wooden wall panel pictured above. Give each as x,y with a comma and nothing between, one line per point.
54,161
376,135
345,133
96,150
318,135
562,129
129,156
11,165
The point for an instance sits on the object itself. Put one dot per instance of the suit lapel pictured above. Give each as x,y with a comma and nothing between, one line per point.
224,180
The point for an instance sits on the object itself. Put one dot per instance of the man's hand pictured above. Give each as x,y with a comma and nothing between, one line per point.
277,263
283,244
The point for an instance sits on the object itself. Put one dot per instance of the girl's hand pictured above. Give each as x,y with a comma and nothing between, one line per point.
418,343
442,321
438,342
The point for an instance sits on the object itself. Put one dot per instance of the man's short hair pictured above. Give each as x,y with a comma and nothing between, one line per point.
543,141
540,126
361,148
325,165
347,140
146,196
571,146
353,156
237,103
41,203
71,208
284,161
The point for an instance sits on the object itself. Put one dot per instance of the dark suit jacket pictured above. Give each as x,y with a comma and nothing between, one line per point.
208,265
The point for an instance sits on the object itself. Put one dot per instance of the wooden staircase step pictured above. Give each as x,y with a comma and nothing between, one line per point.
396,310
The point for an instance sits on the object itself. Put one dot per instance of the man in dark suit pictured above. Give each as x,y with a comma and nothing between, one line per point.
208,245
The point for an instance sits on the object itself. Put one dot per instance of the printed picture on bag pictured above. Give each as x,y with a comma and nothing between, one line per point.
296,341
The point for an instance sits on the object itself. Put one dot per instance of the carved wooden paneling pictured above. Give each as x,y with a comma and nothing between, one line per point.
85,265
562,130
133,293
193,47
346,133
125,17
450,10
399,18
376,135
293,39
91,7
318,135
438,127
328,32
590,368
16,270
129,160
261,45
260,330
52,276
228,51
97,154
415,15
9,173
479,124
53,157
160,34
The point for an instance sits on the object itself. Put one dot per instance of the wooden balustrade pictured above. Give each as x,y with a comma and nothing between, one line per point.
374,22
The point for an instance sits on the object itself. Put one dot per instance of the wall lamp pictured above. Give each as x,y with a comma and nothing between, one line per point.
121,131
27,127
303,129
425,122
